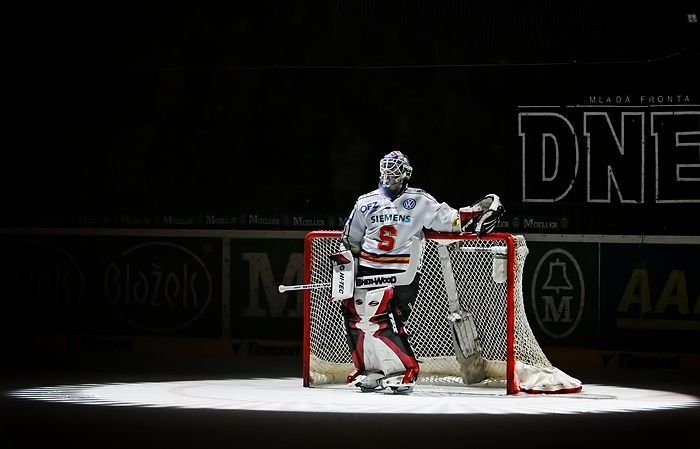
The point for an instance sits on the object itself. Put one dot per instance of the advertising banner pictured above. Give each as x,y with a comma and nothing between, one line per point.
111,285
258,309
650,296
560,291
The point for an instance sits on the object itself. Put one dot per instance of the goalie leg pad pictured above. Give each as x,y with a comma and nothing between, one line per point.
388,348
376,338
405,297
355,333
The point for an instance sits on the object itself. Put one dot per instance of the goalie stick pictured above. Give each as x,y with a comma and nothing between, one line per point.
381,280
465,339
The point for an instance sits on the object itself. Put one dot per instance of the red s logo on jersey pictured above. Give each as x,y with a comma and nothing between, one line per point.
387,238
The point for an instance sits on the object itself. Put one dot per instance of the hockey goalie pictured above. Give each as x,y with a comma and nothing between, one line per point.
379,234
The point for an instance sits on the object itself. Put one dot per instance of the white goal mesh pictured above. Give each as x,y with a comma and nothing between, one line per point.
488,273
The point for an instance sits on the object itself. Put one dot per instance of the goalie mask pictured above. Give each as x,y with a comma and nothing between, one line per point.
394,172
482,216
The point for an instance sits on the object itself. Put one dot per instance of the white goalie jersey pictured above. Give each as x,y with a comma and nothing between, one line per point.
379,229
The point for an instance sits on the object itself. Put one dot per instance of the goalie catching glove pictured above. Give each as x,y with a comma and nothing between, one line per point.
482,216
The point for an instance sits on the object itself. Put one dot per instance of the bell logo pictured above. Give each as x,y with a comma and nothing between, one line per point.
558,293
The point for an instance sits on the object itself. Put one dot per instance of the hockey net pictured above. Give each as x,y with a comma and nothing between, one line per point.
488,272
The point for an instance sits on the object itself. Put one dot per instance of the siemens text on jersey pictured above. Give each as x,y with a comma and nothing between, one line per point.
390,218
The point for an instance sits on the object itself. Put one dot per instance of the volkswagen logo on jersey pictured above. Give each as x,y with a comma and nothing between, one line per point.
409,203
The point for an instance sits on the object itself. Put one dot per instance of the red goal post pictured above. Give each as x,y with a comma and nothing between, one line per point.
488,273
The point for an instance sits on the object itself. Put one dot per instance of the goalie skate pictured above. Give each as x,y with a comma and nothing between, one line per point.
396,384
371,381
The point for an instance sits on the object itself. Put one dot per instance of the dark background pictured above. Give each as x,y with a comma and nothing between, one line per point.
120,114
153,109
